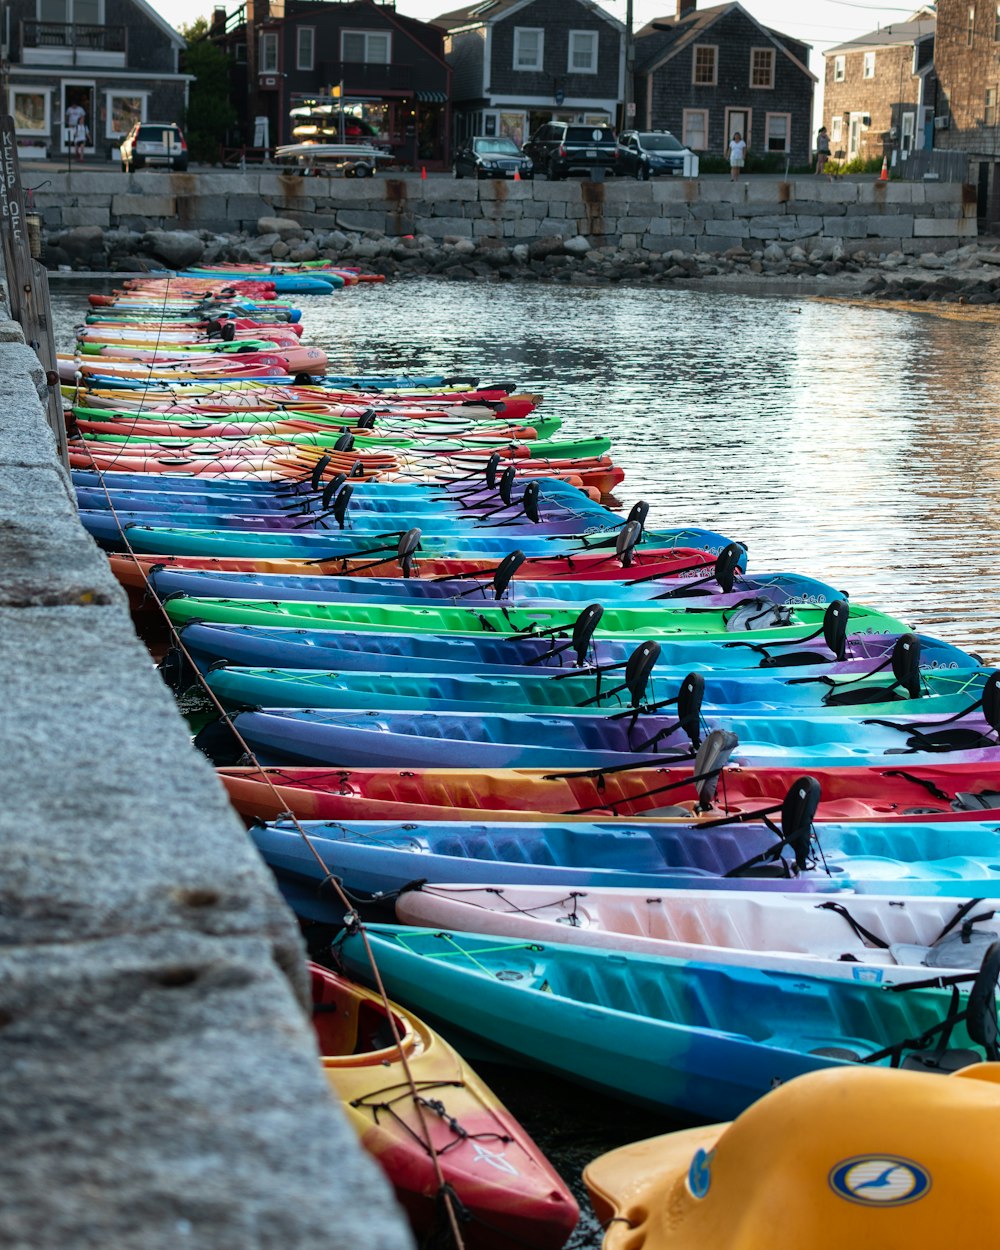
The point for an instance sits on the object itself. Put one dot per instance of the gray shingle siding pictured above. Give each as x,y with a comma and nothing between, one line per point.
466,60
672,89
557,19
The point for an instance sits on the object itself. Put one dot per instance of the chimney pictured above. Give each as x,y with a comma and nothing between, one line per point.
685,8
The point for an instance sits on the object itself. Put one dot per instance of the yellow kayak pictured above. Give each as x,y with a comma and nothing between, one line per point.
843,1159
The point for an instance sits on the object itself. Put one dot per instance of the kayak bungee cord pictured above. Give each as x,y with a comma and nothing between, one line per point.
446,1193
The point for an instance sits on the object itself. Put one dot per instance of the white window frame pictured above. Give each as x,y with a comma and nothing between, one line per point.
590,35
839,68
970,32
305,62
684,128
369,35
705,47
268,42
539,59
788,132
33,89
990,105
868,66
762,86
109,95
837,129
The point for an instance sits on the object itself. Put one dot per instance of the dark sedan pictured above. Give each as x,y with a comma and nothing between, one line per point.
483,157
652,153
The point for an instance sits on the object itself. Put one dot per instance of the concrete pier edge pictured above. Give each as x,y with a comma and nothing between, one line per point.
159,1080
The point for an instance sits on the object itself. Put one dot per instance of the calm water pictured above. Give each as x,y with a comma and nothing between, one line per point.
860,445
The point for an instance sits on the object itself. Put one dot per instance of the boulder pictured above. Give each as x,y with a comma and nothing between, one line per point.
303,252
519,253
175,248
284,227
280,250
577,246
81,241
541,248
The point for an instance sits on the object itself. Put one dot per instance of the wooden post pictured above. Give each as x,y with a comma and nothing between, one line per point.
27,281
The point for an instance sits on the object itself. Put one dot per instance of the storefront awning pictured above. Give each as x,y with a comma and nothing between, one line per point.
431,97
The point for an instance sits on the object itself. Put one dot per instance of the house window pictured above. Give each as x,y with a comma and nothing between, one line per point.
996,25
970,29
762,67
529,47
365,47
705,64
869,68
695,129
837,130
123,111
240,53
29,106
990,111
777,129
305,46
80,12
582,52
839,63
269,52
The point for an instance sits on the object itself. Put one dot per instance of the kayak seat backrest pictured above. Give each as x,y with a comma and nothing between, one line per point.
981,800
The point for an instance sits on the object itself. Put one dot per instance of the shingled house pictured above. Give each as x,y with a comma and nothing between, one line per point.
520,63
116,59
707,73
879,90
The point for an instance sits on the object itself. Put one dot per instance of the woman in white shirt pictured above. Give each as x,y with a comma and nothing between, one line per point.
737,154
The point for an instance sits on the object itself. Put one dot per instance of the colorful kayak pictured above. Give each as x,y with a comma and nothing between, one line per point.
500,1179
867,938
695,1037
940,792
860,1156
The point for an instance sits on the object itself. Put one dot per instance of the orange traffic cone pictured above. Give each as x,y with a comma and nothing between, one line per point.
423,171
884,175
517,175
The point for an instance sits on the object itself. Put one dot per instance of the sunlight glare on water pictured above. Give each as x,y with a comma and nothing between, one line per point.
858,444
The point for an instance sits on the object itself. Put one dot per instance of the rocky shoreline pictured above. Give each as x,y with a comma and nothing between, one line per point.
967,274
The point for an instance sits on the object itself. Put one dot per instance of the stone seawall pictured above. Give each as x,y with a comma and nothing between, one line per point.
159,1082
704,215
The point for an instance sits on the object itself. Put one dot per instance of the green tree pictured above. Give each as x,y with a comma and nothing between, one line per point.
210,113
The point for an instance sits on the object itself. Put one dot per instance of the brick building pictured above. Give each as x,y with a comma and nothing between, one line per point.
708,73
879,91
967,58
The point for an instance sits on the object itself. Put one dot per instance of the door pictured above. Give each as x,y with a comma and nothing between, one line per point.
78,95
907,131
737,121
928,129
854,136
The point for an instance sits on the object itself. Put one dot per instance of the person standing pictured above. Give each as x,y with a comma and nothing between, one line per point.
737,155
76,129
822,149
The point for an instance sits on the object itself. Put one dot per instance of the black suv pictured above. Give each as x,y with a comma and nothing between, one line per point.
559,148
649,153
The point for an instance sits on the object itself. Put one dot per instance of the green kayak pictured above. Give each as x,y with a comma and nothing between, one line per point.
767,623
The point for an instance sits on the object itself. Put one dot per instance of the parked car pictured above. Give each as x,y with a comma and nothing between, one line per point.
560,148
647,154
485,157
154,143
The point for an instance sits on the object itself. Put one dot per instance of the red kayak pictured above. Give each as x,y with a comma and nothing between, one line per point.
131,570
925,792
511,1194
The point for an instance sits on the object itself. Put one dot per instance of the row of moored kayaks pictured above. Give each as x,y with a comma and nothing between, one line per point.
673,827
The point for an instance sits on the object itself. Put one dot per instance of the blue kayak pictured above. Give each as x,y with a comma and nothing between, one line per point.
283,283
774,587
489,655
426,739
943,858
529,691
700,1038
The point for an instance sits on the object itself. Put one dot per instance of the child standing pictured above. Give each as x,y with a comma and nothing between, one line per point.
737,154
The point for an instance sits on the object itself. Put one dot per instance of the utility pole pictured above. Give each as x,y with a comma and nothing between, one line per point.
628,112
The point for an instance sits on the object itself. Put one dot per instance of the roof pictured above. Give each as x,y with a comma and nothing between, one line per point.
918,26
161,22
486,12
663,38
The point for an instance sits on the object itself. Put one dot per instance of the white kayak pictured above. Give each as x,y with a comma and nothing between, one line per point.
855,937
